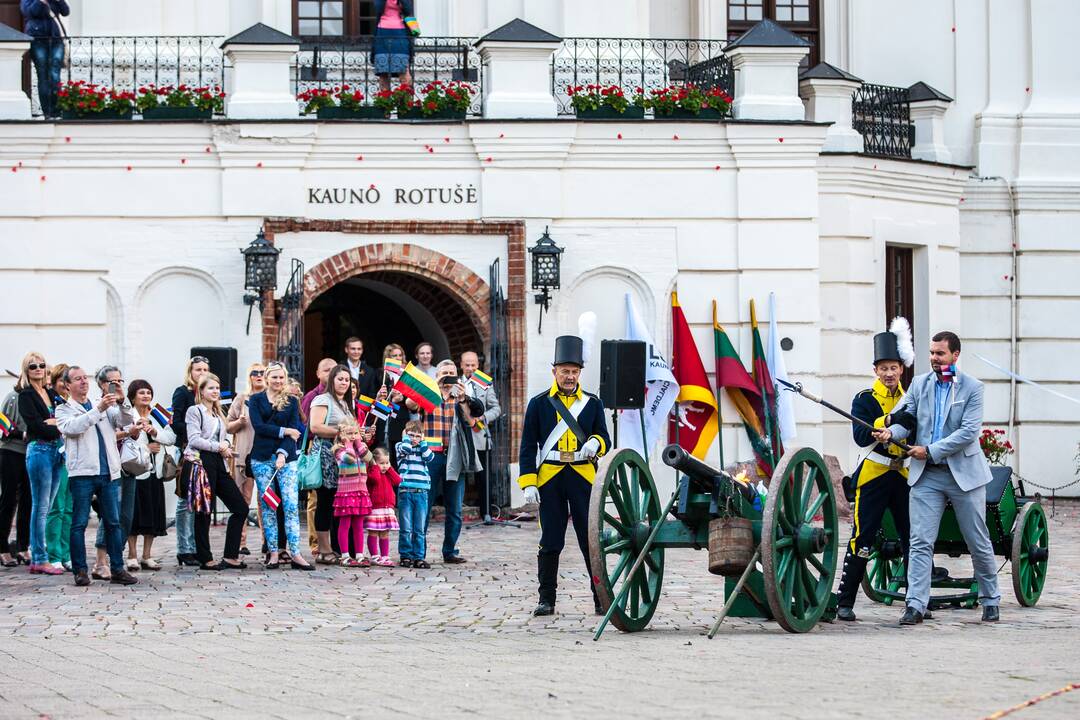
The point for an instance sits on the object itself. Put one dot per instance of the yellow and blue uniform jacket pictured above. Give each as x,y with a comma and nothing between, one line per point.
541,418
872,405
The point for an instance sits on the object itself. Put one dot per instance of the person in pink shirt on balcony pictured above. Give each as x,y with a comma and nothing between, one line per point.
392,47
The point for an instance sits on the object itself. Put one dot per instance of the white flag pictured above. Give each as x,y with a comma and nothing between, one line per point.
774,358
661,389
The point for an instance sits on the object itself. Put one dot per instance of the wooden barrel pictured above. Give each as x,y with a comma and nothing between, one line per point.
731,545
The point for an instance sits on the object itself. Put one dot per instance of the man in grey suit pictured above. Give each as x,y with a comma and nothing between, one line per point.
470,363
947,465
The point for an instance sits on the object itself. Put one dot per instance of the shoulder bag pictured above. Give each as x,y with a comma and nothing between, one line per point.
134,457
309,467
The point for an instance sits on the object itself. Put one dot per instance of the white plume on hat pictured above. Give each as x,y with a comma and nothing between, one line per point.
587,332
904,345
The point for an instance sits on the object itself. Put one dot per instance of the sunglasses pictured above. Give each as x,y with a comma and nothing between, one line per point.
37,366
256,373
200,359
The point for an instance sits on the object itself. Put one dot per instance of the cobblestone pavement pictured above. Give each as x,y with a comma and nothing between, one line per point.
458,640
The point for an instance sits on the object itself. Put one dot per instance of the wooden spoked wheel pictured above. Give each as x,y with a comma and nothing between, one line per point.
623,509
799,540
1030,554
884,580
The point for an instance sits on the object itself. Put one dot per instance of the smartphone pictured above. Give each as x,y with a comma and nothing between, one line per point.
450,380
114,388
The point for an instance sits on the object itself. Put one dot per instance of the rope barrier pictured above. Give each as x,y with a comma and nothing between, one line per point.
1033,701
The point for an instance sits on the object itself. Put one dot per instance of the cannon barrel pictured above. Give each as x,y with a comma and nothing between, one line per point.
676,457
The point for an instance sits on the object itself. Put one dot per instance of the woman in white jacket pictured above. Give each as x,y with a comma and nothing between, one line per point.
149,517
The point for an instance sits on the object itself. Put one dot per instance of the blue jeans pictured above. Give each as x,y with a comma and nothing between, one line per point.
287,489
83,488
453,496
412,519
437,473
43,461
127,510
48,57
185,528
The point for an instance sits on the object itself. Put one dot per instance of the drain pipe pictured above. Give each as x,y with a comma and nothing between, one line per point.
1014,349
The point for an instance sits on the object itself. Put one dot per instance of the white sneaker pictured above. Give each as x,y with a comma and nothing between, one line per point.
131,564
59,566
66,565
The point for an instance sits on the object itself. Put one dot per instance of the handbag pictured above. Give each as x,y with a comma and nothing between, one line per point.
169,468
66,62
134,458
413,25
308,468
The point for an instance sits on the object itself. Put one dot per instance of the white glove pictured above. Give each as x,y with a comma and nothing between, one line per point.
532,495
591,447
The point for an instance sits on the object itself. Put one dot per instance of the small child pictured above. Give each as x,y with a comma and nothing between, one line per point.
352,501
413,456
382,479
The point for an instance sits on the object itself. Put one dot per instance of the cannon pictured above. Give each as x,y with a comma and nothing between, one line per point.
1018,532
793,536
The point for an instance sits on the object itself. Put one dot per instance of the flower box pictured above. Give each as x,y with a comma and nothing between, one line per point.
683,114
163,112
102,115
605,112
336,112
418,114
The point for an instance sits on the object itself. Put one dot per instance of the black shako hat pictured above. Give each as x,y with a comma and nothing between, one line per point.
885,347
569,351
896,344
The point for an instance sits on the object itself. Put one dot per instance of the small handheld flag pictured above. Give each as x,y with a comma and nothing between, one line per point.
5,425
434,444
382,410
481,379
392,367
949,373
161,415
270,497
419,387
364,403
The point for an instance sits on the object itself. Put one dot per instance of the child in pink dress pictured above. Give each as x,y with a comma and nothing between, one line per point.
352,503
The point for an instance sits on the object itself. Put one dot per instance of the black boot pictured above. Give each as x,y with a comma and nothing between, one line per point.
547,575
851,576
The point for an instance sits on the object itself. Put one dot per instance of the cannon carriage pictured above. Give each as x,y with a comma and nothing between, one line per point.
1018,531
789,550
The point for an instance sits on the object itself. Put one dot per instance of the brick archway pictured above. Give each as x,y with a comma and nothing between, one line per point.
447,278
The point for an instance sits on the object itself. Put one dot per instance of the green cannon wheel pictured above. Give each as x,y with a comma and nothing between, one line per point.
1030,554
799,540
623,509
884,580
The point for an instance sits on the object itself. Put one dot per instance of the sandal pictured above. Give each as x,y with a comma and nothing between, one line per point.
350,562
10,562
284,556
406,562
384,562
363,562
326,559
421,565
149,564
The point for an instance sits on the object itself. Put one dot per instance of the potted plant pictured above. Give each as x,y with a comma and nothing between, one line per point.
349,104
179,102
439,101
605,102
682,102
80,100
399,100
996,447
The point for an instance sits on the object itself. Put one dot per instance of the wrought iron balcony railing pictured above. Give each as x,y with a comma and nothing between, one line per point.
329,63
882,115
632,63
128,62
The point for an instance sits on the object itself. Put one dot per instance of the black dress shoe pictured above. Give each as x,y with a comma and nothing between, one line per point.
597,610
928,615
938,573
991,613
544,608
219,565
454,560
845,613
187,559
405,562
911,616
82,579
244,551
123,578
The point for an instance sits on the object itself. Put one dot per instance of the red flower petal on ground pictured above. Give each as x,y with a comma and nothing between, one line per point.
67,139
359,157
183,161
619,136
42,178
781,139
129,168
487,159
674,137
431,149
208,149
501,136
371,187
258,164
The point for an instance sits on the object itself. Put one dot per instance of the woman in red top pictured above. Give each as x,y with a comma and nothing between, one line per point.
382,481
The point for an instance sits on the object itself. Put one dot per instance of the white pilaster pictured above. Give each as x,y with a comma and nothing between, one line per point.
261,87
766,61
14,104
827,93
516,62
928,108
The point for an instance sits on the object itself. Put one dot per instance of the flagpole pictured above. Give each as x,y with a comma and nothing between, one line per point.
716,382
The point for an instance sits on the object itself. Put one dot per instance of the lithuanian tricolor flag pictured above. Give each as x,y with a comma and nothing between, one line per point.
5,425
416,385
434,444
767,389
743,393
697,404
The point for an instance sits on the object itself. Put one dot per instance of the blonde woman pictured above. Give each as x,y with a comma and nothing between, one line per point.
182,399
43,456
209,452
239,425
275,418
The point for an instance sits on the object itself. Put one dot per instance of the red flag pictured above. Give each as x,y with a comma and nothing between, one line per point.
698,425
271,498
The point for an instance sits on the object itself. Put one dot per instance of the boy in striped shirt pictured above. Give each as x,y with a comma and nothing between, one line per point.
413,456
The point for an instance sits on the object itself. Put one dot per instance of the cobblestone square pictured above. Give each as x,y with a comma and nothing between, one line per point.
458,641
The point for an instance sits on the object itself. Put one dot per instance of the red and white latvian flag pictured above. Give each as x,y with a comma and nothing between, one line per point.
271,498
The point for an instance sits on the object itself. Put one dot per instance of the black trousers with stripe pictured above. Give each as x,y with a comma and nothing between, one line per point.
563,497
887,492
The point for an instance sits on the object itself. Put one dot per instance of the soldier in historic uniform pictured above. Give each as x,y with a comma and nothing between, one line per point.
563,435
880,480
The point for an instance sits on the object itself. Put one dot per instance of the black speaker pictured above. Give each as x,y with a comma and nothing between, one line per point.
223,364
622,374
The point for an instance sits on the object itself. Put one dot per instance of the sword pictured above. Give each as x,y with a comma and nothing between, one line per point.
798,388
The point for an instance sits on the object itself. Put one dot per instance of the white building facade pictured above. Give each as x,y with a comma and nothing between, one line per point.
121,240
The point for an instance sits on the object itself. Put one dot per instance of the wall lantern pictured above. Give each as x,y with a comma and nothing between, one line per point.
260,272
546,262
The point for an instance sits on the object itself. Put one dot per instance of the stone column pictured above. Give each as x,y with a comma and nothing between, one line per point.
261,87
827,92
14,104
516,71
928,108
766,61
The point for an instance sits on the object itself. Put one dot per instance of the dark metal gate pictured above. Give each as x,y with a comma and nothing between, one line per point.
498,357
290,344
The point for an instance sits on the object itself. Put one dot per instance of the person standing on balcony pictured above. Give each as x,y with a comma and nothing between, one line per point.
392,46
42,23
